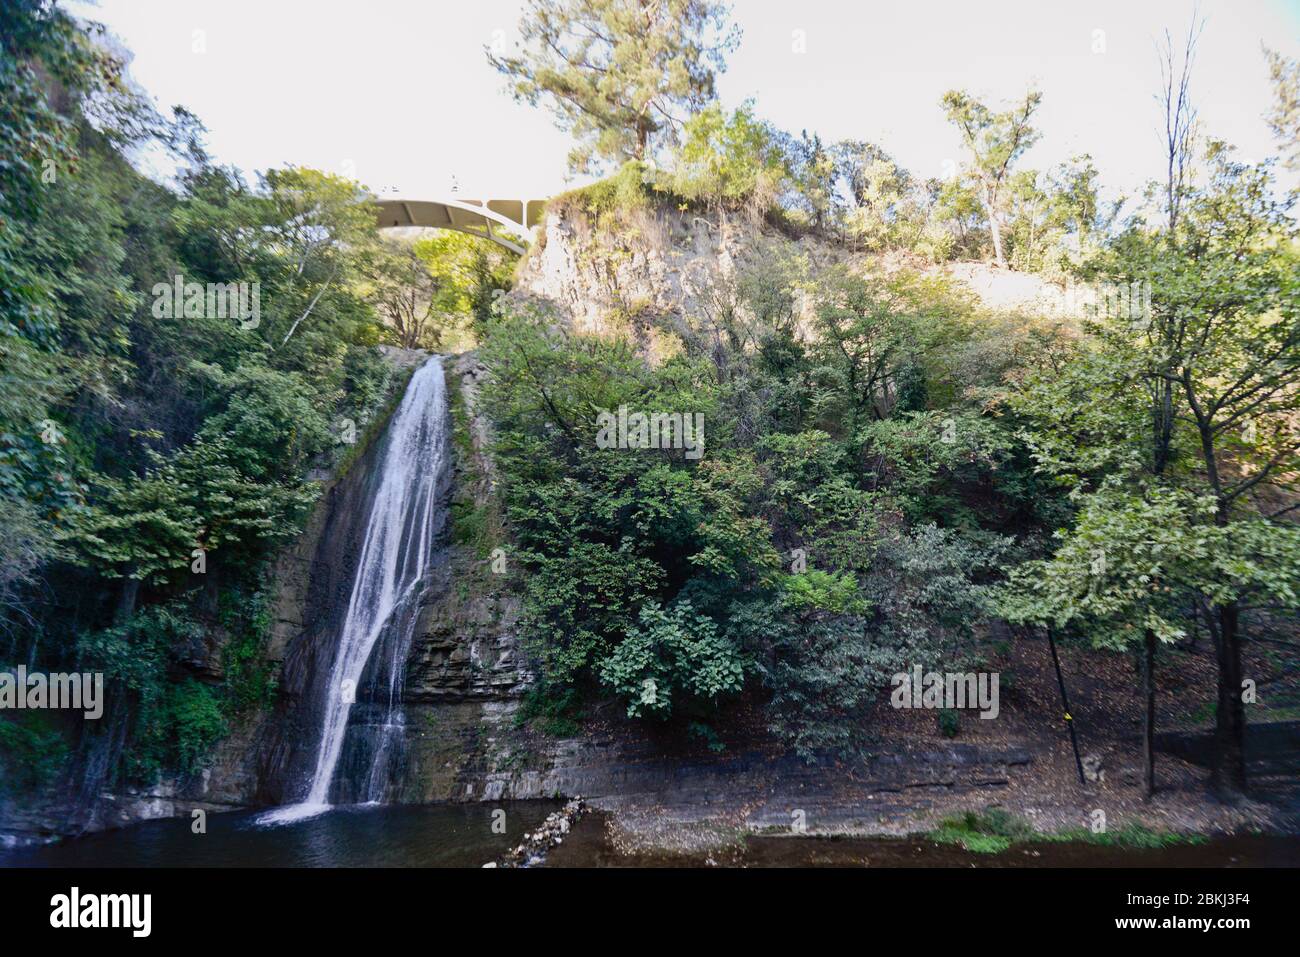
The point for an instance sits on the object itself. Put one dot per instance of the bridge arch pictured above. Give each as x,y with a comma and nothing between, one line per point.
516,218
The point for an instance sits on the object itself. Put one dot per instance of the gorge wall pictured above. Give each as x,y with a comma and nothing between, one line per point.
468,672
663,266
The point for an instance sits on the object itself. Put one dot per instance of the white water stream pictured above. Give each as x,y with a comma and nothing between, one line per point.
395,554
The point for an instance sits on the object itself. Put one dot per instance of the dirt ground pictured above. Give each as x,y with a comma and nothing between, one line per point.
1105,696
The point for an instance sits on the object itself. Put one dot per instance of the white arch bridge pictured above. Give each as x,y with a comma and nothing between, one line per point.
511,223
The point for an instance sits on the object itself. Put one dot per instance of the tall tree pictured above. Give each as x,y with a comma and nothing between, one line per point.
1179,119
1285,115
405,294
1190,407
619,74
995,142
1232,301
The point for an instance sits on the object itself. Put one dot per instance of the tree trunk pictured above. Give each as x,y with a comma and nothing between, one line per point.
1149,735
642,140
126,600
210,596
995,229
1229,777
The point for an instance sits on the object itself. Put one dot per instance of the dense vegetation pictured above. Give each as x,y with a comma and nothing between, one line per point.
889,468
151,457
843,523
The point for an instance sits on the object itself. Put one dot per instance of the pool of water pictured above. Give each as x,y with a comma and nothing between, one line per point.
470,835
439,835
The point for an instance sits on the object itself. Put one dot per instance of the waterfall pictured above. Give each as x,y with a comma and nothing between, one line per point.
406,515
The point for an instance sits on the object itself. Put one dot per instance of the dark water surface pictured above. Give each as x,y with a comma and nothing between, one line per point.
461,835
438,835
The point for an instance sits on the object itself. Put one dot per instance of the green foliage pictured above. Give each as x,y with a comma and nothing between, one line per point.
618,74
173,720
882,341
250,680
598,531
1285,115
822,676
135,437
609,201
31,752
555,712
994,830
995,142
949,722
1131,835
702,732
1150,530
1119,566
933,463
888,208
816,590
991,831
176,730
673,658
873,436
728,161
432,291
134,655
615,544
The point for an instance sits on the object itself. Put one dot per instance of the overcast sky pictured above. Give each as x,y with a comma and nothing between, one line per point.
400,94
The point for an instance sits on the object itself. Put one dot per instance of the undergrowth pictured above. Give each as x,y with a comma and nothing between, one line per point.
994,830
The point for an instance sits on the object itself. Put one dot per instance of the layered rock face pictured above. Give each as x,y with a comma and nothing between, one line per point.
664,266
674,267
468,671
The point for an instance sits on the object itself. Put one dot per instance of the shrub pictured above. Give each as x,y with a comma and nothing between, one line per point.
949,722
31,752
673,656
250,680
554,711
991,831
729,161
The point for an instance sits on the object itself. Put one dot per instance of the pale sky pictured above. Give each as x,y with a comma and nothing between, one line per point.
400,94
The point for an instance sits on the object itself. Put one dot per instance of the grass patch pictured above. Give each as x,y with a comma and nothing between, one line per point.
626,191
993,831
982,832
1130,835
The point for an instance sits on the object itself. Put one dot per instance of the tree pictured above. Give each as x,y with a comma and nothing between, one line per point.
876,335
728,161
1194,397
132,434
619,74
887,207
813,171
995,142
1121,575
1285,115
142,530
467,272
1228,299
673,659
406,294
1180,120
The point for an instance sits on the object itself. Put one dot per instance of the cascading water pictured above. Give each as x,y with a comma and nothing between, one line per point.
406,515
